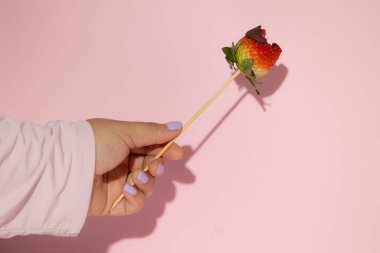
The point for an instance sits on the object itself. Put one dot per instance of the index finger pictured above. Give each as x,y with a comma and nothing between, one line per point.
174,152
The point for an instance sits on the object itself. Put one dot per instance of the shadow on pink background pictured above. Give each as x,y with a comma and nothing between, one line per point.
99,234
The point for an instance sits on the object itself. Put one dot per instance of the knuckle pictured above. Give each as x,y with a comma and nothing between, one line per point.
132,210
136,206
148,161
140,200
155,127
150,189
149,192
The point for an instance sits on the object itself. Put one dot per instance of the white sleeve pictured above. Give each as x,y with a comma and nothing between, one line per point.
46,176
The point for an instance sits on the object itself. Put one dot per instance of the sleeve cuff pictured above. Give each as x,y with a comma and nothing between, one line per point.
82,176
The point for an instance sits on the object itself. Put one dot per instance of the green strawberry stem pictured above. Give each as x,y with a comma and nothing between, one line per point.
245,66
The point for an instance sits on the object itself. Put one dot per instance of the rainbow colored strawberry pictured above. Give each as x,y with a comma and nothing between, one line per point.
253,55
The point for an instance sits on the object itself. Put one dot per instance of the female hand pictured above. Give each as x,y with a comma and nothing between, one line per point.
127,147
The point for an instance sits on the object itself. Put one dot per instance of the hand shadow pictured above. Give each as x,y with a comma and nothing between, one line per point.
99,233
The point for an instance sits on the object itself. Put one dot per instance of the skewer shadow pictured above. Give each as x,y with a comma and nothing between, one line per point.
271,83
100,233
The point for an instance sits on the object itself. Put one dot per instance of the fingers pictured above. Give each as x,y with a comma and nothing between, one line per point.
143,181
140,184
134,199
155,166
140,134
135,195
175,152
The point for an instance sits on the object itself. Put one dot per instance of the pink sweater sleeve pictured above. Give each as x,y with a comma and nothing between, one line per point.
46,175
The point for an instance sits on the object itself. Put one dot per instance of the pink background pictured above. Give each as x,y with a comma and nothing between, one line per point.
296,170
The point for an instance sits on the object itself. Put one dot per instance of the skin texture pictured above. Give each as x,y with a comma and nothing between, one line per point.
123,147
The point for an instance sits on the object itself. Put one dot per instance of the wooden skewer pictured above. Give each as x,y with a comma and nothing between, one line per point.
196,115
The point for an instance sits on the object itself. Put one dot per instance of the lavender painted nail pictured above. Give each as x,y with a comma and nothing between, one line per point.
130,189
160,170
142,177
174,125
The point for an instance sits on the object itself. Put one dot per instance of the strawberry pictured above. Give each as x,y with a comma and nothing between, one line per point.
253,55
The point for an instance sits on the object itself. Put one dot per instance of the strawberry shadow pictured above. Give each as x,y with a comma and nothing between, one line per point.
268,85
99,233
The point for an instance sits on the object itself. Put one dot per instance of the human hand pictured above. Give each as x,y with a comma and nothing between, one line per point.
124,148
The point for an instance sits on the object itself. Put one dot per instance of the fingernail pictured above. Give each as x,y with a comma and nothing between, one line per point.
130,189
142,177
160,170
174,125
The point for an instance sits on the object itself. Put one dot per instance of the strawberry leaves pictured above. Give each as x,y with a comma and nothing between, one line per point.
230,55
245,66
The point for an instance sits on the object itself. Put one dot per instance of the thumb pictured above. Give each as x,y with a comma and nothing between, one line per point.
140,134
